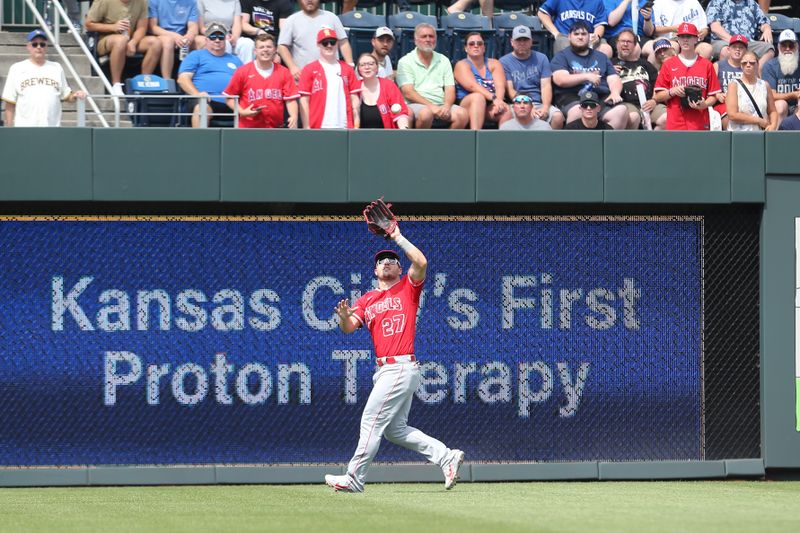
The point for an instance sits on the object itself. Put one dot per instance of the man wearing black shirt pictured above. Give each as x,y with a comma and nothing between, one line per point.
634,73
590,109
265,16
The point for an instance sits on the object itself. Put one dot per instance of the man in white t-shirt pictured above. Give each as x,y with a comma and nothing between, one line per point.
36,87
329,89
668,15
297,45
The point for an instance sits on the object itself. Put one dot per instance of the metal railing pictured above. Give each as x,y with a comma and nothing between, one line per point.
177,115
53,37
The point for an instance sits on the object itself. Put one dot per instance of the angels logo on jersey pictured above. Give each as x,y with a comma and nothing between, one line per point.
685,81
387,304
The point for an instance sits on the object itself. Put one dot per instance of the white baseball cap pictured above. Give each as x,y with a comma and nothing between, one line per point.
383,30
787,35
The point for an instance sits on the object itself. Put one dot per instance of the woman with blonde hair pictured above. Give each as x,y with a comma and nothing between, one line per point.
750,104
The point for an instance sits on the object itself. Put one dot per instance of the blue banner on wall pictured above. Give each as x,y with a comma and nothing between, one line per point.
197,341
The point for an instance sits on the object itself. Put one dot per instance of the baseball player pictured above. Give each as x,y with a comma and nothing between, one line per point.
389,312
687,84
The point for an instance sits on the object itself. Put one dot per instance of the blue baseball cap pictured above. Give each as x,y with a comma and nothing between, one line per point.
38,32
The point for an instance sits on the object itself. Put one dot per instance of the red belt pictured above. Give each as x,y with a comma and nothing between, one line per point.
392,359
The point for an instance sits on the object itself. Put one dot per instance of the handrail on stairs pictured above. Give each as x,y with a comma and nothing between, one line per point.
58,12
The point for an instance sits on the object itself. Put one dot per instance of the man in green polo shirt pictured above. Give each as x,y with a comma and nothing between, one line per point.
426,79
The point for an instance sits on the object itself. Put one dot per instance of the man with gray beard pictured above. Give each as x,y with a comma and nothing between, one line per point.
783,75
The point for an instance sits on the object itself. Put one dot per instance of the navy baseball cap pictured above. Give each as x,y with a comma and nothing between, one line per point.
386,253
38,32
581,25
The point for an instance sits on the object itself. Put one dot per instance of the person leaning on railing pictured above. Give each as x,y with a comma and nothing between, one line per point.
208,71
265,89
36,87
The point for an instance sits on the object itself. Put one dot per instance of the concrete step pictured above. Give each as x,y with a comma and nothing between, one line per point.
81,64
93,84
21,38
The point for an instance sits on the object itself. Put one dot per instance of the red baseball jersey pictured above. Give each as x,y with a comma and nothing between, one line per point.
674,73
314,84
391,316
271,92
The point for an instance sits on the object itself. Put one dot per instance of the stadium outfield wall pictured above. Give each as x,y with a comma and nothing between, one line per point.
734,185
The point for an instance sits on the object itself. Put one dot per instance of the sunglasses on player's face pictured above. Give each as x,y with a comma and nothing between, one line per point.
327,43
387,261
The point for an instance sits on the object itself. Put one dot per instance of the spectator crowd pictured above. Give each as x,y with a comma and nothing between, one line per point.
616,64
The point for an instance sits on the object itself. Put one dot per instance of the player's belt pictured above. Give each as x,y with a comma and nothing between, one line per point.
392,359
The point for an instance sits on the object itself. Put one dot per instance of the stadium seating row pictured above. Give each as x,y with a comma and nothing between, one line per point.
451,30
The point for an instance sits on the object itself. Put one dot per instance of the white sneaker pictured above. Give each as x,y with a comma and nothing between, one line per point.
451,469
116,90
339,483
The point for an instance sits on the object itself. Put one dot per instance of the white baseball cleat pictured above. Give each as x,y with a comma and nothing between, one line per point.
451,469
339,483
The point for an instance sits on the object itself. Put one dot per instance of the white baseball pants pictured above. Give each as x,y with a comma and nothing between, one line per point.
386,415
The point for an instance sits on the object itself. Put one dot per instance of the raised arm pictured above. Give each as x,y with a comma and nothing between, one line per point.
419,263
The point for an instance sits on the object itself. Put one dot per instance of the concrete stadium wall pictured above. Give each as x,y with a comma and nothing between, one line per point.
180,165
577,168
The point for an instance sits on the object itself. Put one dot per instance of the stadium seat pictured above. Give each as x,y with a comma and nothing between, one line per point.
361,26
403,24
456,26
432,7
384,5
149,85
527,6
504,24
780,22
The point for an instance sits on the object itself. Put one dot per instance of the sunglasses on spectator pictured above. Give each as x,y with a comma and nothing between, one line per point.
328,42
523,99
749,62
589,105
475,43
387,261
217,37
39,44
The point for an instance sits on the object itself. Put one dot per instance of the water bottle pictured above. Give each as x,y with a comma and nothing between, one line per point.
184,51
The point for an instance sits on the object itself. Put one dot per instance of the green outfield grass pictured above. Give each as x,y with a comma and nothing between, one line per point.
547,506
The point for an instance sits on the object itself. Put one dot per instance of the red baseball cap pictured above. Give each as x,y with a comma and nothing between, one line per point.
687,28
738,39
326,33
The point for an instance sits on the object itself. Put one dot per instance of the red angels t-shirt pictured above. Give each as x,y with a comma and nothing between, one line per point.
390,315
674,73
271,93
